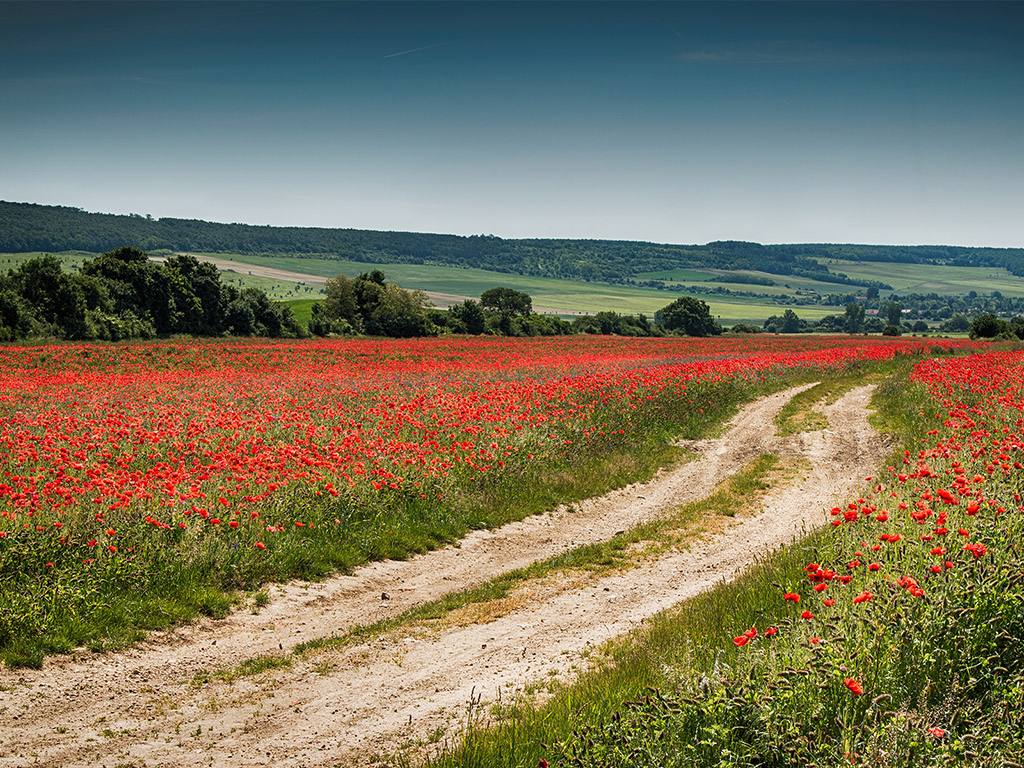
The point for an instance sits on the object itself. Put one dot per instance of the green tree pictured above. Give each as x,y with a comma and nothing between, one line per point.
198,295
55,301
894,313
507,301
790,322
989,326
958,322
471,314
341,302
853,319
402,314
689,316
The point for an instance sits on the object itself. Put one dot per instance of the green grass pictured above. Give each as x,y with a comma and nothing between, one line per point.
302,309
798,415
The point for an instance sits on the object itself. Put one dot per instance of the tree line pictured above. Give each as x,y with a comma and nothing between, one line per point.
890,321
368,304
122,294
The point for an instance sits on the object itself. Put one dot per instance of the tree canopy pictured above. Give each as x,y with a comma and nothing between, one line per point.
688,316
122,294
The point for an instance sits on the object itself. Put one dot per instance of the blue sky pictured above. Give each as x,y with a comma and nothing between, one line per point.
671,122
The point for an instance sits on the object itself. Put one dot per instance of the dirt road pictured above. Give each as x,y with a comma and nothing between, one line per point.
139,708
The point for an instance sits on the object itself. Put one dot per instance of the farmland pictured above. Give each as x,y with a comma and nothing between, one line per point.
298,280
145,484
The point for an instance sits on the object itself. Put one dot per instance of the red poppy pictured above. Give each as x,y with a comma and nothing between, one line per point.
855,688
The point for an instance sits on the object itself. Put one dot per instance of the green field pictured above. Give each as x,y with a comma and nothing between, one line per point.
569,298
784,284
565,297
933,278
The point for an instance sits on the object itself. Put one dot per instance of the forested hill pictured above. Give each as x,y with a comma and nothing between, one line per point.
30,227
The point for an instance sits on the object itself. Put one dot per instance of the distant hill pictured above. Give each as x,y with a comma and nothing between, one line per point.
29,227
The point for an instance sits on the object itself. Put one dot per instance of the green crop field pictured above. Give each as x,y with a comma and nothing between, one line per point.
933,278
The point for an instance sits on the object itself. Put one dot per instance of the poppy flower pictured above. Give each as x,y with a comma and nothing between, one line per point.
807,615
855,688
792,597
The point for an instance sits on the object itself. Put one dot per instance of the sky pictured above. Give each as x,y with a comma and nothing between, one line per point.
674,122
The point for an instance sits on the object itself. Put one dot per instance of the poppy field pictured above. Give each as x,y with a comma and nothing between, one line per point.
142,484
893,636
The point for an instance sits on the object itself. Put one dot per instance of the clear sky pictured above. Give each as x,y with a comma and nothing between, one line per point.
672,122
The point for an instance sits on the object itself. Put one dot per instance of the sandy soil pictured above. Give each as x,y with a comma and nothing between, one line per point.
442,300
138,707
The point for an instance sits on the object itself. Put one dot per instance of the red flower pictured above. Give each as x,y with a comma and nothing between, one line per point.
751,633
936,732
806,615
791,596
260,545
771,631
863,597
855,688
741,641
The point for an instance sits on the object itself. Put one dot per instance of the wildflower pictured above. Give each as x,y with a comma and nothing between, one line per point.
855,688
807,615
936,732
260,545
741,641
863,597
978,550
771,631
791,596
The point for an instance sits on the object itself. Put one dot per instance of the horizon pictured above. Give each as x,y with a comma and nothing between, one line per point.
454,234
897,123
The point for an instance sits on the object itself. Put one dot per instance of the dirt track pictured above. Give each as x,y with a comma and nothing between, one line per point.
138,707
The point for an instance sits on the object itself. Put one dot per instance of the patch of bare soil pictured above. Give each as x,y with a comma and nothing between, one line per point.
138,707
